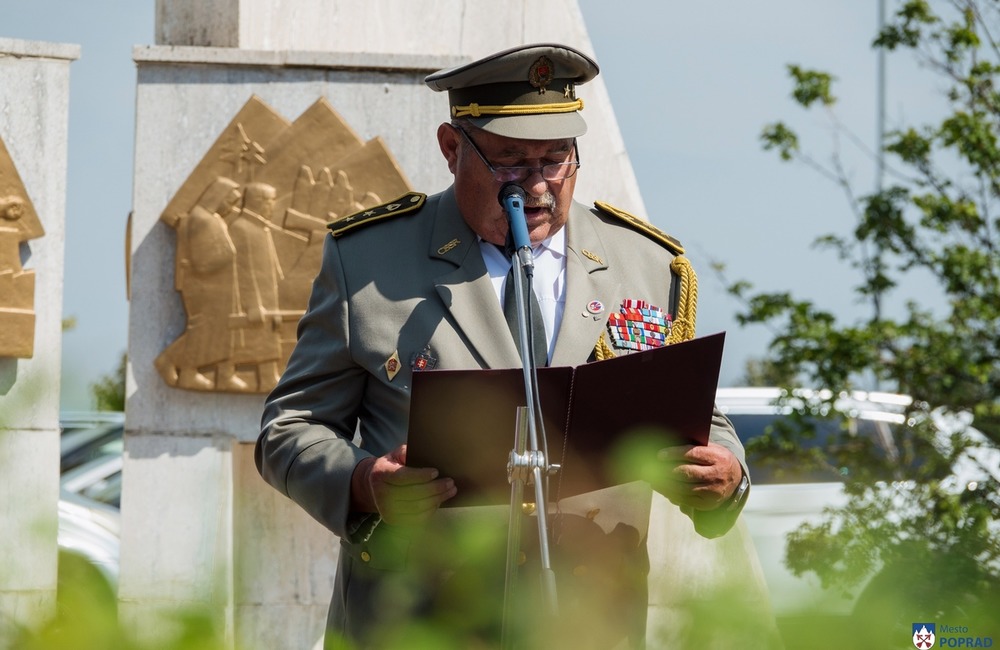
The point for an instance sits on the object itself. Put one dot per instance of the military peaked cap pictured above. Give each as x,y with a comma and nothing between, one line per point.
526,92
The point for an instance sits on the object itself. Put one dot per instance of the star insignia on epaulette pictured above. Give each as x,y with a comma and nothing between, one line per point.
406,204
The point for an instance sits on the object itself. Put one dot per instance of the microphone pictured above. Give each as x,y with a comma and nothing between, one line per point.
512,197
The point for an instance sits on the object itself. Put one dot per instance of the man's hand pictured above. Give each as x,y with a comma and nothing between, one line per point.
402,495
702,477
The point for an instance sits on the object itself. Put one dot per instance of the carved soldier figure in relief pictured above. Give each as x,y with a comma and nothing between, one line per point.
18,224
258,270
250,222
205,276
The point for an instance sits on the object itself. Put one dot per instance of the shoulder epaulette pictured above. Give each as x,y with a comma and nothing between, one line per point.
406,204
641,226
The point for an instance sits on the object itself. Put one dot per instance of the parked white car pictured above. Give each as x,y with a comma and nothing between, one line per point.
91,455
86,435
91,530
90,489
783,499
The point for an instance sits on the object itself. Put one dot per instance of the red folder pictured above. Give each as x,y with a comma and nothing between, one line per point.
462,421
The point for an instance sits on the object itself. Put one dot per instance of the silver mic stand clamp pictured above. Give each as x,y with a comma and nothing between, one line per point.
521,466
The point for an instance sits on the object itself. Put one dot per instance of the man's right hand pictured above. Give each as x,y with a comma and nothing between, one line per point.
401,495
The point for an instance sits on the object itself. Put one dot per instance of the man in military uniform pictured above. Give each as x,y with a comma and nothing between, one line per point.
436,301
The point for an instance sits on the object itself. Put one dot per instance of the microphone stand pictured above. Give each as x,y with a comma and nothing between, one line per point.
526,463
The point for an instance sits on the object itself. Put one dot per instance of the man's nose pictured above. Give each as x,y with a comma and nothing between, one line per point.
534,184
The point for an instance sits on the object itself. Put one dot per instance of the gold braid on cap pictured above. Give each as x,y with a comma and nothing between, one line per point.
475,110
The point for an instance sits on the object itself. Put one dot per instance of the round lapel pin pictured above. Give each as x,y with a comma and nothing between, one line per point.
594,308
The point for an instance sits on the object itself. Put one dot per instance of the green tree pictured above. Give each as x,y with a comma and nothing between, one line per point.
109,390
935,541
764,372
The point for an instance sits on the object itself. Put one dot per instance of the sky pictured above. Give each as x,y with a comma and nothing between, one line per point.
692,85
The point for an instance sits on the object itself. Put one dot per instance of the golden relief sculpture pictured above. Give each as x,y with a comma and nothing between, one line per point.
18,224
250,222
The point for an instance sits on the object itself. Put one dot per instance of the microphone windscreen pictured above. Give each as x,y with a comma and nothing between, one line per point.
510,189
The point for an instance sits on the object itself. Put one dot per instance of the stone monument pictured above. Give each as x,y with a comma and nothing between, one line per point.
34,94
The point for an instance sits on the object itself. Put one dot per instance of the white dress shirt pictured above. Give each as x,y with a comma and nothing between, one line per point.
548,281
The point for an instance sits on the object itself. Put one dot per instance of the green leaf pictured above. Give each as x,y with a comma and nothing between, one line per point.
811,86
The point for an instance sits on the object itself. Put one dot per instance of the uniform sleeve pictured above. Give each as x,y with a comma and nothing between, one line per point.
715,523
305,447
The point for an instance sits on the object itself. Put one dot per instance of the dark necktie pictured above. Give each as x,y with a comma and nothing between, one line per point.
536,334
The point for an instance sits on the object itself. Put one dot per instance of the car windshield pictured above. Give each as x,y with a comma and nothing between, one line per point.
83,445
89,435
786,448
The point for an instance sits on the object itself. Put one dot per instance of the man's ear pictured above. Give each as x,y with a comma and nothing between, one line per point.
449,141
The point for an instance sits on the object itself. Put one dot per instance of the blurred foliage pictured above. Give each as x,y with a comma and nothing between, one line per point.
86,618
764,372
109,390
937,214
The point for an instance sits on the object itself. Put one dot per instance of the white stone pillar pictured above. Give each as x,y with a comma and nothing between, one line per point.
34,109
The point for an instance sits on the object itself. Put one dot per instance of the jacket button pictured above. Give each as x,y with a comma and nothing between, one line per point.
366,556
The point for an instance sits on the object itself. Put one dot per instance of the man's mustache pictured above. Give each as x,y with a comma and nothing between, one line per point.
547,201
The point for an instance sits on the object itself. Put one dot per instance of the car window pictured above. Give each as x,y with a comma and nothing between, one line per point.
79,446
785,448
107,490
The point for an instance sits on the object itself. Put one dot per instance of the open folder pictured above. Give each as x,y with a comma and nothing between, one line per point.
463,421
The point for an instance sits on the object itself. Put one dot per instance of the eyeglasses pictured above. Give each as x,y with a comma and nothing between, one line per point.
550,171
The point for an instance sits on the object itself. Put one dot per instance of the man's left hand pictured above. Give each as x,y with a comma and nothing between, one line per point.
702,477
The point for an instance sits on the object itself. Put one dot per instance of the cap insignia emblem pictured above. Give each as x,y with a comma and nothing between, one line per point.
540,74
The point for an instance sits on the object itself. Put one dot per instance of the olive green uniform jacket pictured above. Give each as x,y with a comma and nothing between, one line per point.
410,284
